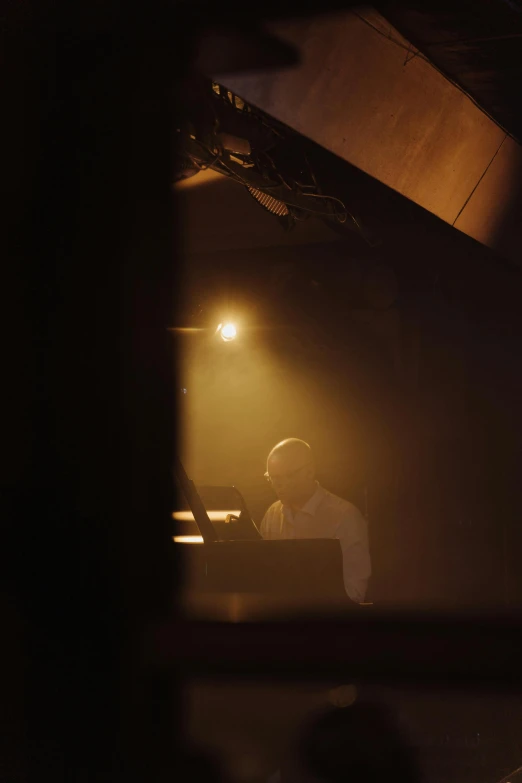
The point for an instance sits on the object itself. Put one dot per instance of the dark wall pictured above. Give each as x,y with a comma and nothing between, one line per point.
88,431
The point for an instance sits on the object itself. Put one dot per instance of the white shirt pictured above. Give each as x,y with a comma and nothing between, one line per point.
327,516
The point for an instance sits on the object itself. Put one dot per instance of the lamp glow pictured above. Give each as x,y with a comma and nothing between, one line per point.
228,332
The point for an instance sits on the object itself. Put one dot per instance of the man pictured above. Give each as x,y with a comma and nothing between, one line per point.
307,510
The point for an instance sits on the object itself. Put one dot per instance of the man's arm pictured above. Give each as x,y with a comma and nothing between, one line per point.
353,536
266,528
263,525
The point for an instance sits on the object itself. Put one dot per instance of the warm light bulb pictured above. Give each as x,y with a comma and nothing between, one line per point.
228,332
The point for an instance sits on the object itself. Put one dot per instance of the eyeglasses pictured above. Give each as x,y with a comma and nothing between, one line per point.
288,476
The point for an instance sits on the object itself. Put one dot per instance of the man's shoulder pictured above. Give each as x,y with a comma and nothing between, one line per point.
344,508
274,510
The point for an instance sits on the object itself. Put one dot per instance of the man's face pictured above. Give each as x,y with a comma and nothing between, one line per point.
291,475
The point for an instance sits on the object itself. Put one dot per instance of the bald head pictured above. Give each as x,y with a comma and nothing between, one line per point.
292,447
290,466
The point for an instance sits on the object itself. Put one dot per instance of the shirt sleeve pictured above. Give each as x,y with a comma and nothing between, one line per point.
265,527
352,533
268,524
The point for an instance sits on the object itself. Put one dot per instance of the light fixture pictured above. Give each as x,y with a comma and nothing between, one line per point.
228,332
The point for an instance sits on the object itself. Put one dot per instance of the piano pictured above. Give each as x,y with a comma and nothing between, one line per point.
229,568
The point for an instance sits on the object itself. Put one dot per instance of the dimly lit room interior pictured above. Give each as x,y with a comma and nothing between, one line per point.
263,377
388,351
